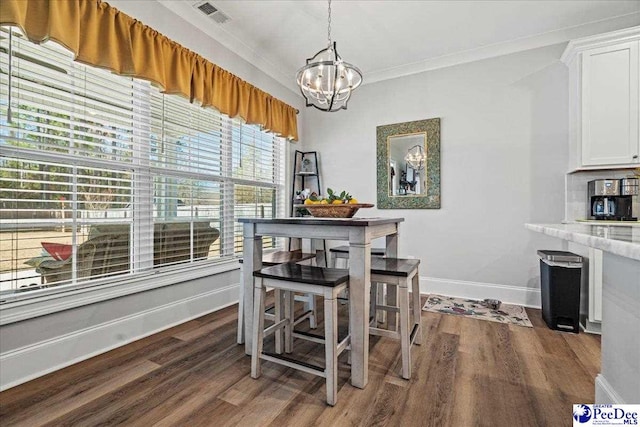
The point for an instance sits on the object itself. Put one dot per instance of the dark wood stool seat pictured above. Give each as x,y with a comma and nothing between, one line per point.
287,279
305,274
394,266
402,274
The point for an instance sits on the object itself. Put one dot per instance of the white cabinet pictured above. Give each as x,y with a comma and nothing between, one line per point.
610,105
604,100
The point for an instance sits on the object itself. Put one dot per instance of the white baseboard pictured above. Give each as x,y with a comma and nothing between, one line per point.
605,394
25,364
477,290
590,327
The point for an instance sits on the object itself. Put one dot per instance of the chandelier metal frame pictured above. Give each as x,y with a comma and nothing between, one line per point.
327,81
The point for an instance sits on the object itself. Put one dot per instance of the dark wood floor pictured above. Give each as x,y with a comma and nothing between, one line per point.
468,372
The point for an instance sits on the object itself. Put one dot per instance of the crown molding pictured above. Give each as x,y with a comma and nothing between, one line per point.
600,40
235,45
505,48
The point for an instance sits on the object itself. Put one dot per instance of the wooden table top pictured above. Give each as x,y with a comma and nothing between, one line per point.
357,222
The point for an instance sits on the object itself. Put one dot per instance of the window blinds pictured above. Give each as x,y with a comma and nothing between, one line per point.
115,177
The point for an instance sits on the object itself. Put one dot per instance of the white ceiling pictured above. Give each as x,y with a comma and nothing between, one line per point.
387,39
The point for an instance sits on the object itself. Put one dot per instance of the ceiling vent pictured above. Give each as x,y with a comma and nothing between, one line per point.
211,11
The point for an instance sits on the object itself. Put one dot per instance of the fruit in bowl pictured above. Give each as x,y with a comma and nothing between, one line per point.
331,199
335,205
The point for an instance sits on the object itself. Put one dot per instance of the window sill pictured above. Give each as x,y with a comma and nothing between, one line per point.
18,308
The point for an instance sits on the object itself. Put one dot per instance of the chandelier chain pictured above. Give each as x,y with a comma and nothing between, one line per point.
329,24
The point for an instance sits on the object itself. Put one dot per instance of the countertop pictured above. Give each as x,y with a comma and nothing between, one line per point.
618,240
597,222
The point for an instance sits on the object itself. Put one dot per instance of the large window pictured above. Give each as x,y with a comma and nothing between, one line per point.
103,176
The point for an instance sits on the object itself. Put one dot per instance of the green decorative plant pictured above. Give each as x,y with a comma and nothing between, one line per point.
344,197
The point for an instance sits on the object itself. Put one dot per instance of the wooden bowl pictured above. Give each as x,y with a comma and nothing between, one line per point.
344,210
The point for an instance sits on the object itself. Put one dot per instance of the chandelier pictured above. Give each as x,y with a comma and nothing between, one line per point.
416,157
326,82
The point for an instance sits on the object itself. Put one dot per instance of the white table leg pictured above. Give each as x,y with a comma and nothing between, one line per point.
359,298
252,261
391,249
317,247
240,338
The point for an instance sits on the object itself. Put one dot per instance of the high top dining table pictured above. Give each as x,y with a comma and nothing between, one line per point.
359,232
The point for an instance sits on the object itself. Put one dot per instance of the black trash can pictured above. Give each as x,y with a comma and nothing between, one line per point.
560,275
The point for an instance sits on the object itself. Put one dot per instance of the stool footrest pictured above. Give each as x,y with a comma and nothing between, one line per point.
271,329
303,316
345,344
295,364
384,333
309,337
389,308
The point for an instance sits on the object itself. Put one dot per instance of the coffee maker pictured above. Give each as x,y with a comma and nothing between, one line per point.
611,199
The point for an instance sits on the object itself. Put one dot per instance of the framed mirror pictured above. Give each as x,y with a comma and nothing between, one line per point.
408,164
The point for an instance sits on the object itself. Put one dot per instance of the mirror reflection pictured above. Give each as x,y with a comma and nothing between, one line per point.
407,164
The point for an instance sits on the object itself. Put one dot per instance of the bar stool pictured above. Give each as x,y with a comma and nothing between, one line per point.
401,273
270,259
290,278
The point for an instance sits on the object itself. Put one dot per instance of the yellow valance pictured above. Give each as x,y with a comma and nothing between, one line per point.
101,35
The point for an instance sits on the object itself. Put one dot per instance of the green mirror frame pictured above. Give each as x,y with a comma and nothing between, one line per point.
431,200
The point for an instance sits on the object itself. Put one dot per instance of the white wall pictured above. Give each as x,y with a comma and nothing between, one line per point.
504,130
